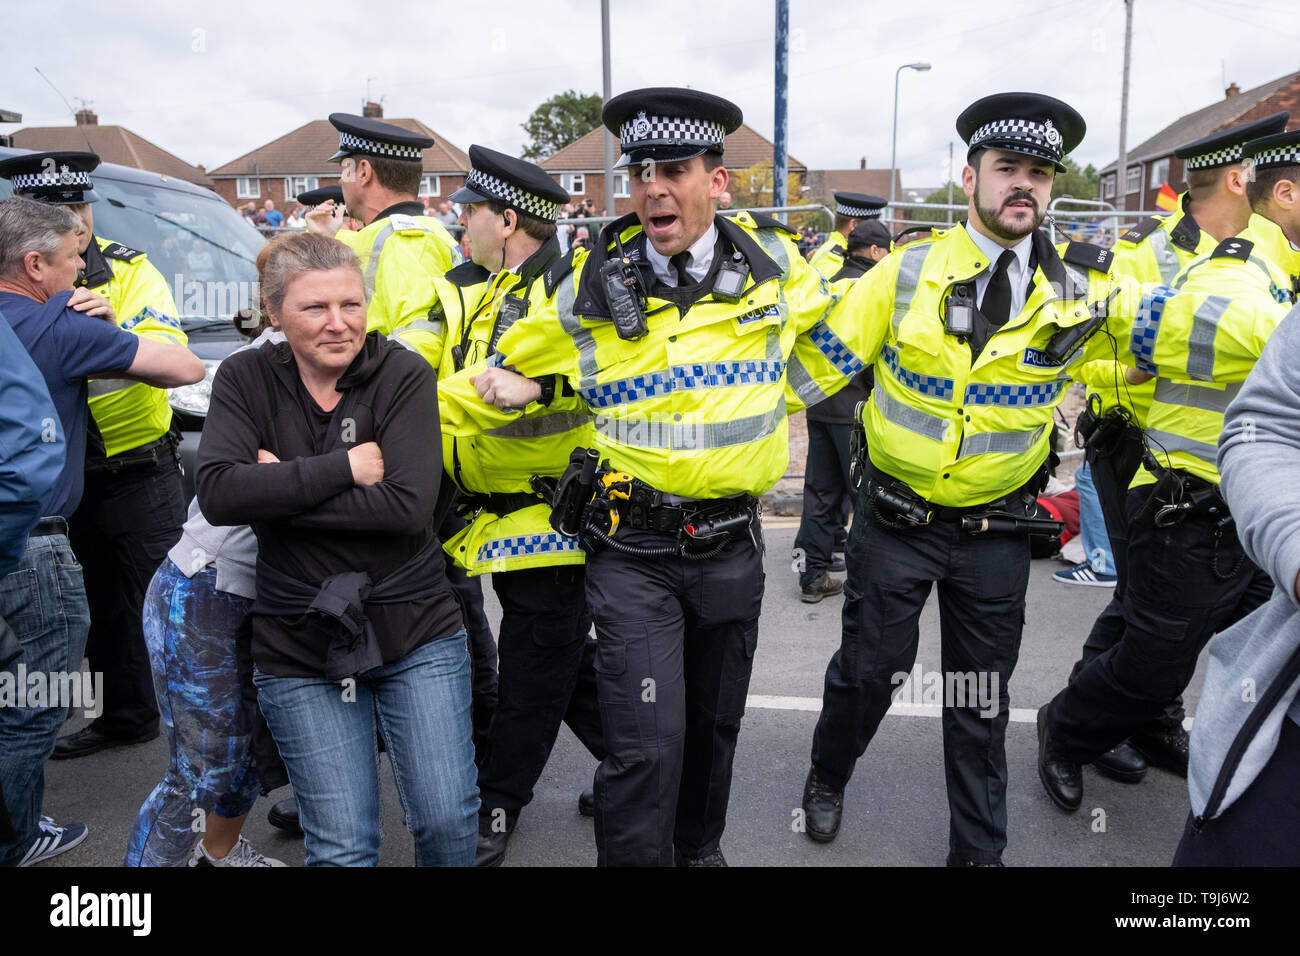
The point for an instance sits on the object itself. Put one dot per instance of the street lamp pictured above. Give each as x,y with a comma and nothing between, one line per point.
893,147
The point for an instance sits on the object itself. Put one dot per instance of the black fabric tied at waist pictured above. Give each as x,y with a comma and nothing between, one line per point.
343,598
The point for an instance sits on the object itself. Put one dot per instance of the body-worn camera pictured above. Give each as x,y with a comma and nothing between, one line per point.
959,311
621,281
511,311
731,278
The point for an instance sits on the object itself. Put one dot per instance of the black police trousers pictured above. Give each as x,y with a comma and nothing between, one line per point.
826,488
982,581
545,676
121,532
675,647
1184,582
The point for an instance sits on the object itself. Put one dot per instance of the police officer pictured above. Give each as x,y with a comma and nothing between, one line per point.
972,333
850,209
1188,575
827,491
1273,188
1213,208
545,673
133,505
681,331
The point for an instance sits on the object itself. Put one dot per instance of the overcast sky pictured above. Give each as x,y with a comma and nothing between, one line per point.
210,81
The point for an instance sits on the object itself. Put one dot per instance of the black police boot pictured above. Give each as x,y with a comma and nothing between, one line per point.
1122,763
587,802
88,740
1062,779
823,808
955,860
1166,750
715,858
837,562
492,841
284,816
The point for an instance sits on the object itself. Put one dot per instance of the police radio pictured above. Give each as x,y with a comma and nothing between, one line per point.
512,309
622,291
959,311
731,278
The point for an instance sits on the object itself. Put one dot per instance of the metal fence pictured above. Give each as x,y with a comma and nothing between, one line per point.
1061,222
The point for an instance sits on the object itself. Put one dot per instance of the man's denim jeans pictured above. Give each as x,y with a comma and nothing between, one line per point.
1092,523
44,601
325,731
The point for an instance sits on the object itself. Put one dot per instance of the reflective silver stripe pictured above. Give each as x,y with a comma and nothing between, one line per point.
802,384
583,340
1203,397
1200,342
999,443
1080,279
106,386
642,433
905,416
772,245
372,266
542,426
421,325
1166,257
1169,442
909,274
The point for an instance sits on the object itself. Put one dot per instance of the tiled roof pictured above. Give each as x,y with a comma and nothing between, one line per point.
112,144
306,151
822,183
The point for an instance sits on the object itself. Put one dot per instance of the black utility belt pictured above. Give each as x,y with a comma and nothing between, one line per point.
897,506
499,503
700,519
137,459
1179,493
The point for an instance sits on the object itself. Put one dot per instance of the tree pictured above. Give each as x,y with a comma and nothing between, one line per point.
752,188
1079,183
940,195
559,121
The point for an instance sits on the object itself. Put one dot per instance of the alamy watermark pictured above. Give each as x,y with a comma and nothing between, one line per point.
976,689
75,690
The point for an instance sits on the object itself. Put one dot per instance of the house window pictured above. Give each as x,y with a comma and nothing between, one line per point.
1108,188
429,185
1134,179
575,184
248,187
293,185
1159,173
622,188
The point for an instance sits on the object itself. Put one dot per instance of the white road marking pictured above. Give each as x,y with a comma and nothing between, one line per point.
1019,715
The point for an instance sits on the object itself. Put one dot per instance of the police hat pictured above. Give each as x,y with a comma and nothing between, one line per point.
1029,123
859,205
1224,147
869,232
1280,149
364,136
59,178
523,186
314,197
667,124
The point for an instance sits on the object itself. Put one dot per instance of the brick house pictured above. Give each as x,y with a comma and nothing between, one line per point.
824,183
299,161
580,166
1153,162
112,144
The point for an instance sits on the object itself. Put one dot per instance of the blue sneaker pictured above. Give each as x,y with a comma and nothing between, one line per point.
1085,575
51,840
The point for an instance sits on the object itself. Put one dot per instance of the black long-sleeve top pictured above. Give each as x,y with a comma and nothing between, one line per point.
310,519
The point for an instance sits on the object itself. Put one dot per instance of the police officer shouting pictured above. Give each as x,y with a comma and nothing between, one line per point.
850,210
971,333
133,506
681,332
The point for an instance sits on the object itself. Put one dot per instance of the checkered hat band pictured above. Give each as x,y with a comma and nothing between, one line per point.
1023,131
512,195
72,179
857,212
359,144
642,131
1279,156
1219,157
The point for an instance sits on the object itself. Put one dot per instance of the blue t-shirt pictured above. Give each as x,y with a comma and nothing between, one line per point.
274,217
68,346
31,451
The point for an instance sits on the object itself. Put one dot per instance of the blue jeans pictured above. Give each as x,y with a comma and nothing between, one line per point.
325,731
44,601
1092,523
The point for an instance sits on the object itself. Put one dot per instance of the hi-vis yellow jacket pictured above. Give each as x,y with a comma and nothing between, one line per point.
961,433
696,407
1201,337
828,258
1271,243
400,250
503,459
131,414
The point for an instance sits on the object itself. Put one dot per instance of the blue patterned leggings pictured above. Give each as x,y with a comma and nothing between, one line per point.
189,627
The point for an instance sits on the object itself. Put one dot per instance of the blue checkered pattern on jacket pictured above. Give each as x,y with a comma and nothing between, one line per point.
1013,396
679,377
634,389
148,313
921,384
840,354
1147,325
550,543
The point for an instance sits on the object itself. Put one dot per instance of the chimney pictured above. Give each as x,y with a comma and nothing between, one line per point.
372,110
87,117
862,163
1231,91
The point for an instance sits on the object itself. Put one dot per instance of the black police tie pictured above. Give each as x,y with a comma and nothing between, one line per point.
678,262
996,307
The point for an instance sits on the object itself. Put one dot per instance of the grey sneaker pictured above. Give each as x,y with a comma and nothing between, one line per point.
821,586
241,854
